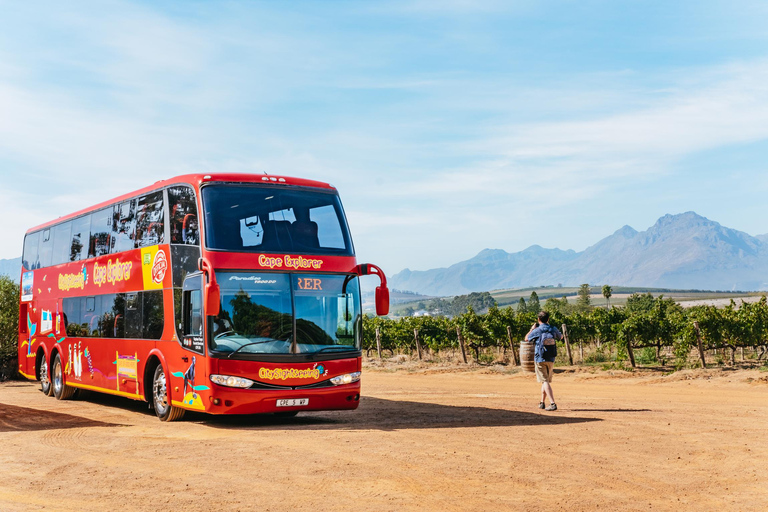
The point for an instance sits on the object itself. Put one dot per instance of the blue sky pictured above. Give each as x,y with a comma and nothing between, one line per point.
448,127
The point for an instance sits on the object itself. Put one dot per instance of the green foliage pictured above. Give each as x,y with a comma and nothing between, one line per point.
583,301
647,325
9,326
479,301
607,293
533,303
9,315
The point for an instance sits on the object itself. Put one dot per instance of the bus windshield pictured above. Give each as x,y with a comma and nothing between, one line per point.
258,312
263,218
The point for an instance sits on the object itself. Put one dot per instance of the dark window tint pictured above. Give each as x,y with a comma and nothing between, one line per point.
81,231
74,314
152,305
45,249
101,227
183,216
61,243
104,307
118,310
124,226
183,261
194,323
30,250
274,219
149,220
133,315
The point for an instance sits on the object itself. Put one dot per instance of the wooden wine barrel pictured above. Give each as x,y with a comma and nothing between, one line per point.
526,356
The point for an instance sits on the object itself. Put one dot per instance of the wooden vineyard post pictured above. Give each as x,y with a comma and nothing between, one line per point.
511,346
378,341
698,342
567,345
418,345
461,344
581,352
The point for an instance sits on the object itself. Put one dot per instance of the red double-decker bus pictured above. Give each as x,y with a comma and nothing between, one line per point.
222,293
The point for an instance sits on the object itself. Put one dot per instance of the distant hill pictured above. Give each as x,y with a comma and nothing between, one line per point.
684,251
11,268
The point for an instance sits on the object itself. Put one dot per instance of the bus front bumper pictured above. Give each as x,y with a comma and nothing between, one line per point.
225,400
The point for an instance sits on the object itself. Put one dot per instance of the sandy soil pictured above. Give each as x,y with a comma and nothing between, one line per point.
421,440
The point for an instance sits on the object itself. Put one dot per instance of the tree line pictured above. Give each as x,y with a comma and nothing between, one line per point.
647,328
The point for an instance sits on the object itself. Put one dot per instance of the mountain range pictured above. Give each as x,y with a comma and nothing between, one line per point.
11,268
684,251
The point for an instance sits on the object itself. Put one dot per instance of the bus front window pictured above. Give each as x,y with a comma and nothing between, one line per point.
257,315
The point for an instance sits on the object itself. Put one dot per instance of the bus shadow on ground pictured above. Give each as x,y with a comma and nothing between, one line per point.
383,414
22,419
611,410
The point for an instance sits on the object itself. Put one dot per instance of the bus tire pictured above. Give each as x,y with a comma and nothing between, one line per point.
43,376
60,389
163,408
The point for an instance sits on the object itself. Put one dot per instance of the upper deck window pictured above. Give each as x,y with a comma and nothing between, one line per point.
253,218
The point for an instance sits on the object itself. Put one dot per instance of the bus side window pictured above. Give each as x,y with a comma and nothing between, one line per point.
106,315
183,216
45,249
150,228
133,315
81,234
61,243
101,227
73,312
194,320
30,250
118,310
153,320
124,226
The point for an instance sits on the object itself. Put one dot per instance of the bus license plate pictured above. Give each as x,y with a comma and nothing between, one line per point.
293,402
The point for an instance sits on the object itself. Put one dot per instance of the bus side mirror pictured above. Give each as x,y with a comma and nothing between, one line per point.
212,291
382,292
212,299
382,300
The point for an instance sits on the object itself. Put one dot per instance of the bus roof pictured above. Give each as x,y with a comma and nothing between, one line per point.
196,180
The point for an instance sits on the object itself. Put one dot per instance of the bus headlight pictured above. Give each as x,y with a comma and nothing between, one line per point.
231,382
347,378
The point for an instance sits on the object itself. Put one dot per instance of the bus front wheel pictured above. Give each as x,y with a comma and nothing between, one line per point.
60,389
163,408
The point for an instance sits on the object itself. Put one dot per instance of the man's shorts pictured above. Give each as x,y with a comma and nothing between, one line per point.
544,371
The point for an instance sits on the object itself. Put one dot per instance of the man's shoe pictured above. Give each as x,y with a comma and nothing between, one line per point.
552,407
541,405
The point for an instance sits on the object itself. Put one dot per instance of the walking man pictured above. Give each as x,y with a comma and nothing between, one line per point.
544,354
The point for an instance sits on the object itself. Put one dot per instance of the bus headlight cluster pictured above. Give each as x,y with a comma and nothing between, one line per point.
230,381
347,378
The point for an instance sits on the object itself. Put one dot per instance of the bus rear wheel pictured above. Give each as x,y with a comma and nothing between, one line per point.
60,389
163,408
42,374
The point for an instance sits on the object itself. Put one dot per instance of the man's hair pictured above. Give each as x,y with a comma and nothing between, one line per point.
543,317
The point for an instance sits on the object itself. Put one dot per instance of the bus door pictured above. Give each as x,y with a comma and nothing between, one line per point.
193,317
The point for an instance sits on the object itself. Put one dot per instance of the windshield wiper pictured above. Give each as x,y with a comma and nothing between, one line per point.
344,348
238,349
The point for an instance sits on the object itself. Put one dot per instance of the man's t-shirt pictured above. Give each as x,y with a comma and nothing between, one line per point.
542,352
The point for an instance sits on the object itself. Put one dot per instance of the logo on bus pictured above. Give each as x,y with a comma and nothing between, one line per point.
159,267
288,261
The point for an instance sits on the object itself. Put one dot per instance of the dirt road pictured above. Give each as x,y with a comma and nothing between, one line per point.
453,441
